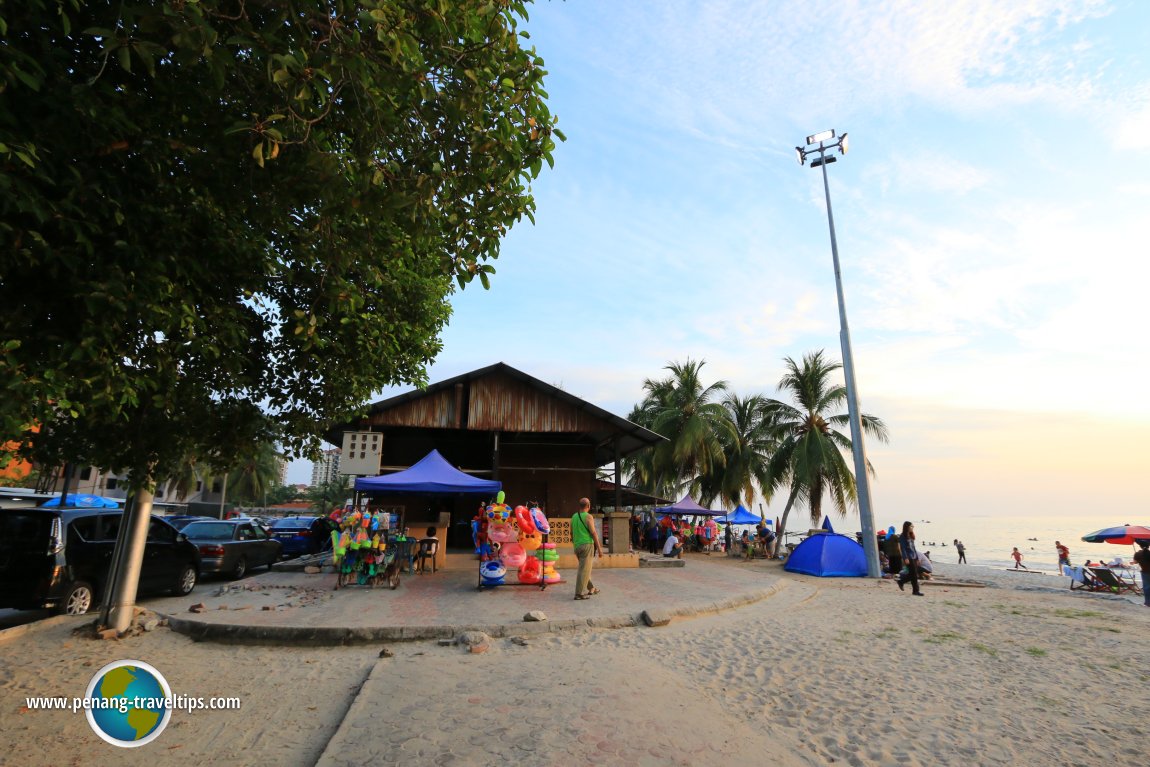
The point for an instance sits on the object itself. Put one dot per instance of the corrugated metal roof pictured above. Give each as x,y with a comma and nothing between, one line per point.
502,398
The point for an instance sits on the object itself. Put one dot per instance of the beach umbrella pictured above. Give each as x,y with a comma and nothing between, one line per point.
83,501
1122,534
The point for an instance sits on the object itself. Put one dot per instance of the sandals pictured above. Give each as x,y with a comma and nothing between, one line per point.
582,596
592,591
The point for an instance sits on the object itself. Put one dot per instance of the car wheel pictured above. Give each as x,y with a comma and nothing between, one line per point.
240,568
186,582
77,599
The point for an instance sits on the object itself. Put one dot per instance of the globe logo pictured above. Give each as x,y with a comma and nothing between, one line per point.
127,703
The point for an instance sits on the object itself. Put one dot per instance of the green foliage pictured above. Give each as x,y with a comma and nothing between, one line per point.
258,472
283,494
212,212
327,495
685,411
811,458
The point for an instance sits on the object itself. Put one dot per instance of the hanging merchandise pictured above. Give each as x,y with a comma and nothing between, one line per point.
510,533
360,552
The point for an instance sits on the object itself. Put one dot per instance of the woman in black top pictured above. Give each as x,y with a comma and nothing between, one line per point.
909,559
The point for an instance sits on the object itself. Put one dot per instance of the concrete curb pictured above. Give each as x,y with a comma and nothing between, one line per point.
327,636
7,635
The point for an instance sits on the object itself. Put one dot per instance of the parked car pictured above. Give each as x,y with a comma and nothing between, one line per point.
59,558
232,547
180,521
295,535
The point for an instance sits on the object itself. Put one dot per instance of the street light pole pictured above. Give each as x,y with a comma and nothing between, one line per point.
818,143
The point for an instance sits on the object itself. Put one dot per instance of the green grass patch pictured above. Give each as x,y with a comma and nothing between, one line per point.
985,649
945,636
1037,652
1065,612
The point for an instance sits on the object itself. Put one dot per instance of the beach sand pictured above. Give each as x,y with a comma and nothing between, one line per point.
825,671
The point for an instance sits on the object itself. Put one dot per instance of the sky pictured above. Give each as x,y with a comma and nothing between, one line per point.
990,218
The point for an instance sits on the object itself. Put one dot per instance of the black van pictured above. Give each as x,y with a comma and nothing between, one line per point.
59,558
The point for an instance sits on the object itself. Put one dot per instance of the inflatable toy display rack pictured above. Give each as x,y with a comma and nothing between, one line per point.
362,555
506,553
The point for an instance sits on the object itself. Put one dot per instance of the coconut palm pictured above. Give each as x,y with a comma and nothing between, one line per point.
256,474
685,411
810,459
747,449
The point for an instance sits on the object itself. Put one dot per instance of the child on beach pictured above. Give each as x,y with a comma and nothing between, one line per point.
1017,555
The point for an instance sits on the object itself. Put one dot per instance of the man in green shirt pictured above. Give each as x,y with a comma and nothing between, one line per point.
585,541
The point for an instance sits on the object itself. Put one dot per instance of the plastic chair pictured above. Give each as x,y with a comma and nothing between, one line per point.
428,548
1082,579
1112,582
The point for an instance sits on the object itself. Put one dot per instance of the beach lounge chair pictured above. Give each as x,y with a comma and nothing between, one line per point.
1112,582
1081,579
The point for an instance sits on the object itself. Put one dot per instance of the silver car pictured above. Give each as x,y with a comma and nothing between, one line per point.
232,547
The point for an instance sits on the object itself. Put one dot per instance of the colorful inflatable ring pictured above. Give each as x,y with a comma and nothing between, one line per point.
492,572
523,517
502,533
531,571
512,555
531,542
540,521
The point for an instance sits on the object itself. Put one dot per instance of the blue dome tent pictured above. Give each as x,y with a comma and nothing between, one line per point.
828,555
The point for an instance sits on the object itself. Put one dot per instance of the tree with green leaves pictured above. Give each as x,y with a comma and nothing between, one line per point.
811,459
225,223
253,478
327,495
687,412
748,446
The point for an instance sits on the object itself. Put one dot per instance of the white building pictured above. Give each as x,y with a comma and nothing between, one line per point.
326,468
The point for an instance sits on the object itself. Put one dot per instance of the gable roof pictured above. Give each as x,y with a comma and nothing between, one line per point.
540,407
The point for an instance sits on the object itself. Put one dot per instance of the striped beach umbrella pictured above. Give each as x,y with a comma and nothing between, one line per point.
1122,534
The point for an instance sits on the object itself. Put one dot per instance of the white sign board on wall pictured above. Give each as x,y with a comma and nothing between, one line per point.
361,454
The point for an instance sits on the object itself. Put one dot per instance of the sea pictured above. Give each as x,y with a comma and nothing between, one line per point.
990,539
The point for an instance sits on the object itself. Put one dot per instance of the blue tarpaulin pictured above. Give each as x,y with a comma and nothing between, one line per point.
433,474
828,555
741,516
82,501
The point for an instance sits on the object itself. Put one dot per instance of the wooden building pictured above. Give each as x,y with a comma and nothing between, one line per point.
543,444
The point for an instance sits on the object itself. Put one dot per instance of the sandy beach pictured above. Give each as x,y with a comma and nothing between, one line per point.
824,671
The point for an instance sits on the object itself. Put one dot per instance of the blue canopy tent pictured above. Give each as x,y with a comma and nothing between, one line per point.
740,516
82,501
433,474
827,524
828,555
687,507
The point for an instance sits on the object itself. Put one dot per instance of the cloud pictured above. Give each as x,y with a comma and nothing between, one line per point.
781,63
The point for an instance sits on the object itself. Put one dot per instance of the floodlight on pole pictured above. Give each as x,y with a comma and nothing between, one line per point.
817,144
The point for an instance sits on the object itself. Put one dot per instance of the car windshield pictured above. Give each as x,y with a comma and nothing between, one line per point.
210,531
293,523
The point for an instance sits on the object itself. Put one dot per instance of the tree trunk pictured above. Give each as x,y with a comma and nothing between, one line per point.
783,522
133,536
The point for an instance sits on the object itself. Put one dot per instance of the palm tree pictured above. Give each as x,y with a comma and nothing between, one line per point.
747,449
810,459
257,473
684,410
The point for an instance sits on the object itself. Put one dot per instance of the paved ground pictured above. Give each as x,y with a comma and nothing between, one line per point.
295,608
